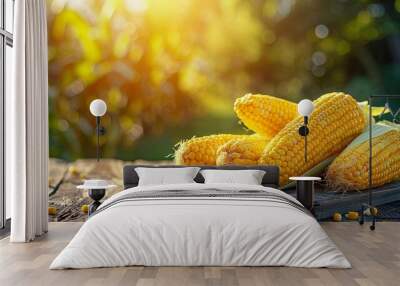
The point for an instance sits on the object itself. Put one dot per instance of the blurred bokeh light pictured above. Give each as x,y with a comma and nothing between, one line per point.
169,70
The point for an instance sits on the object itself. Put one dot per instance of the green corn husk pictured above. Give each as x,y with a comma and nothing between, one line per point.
376,110
378,129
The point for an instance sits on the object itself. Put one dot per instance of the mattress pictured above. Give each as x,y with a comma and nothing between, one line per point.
201,225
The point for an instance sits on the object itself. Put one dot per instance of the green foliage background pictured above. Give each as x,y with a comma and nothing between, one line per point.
169,70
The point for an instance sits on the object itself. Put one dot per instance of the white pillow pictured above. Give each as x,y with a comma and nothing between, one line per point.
165,176
248,177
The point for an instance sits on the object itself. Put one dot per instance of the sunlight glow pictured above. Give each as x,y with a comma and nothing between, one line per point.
138,6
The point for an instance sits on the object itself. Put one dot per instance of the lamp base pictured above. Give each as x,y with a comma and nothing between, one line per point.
371,213
96,195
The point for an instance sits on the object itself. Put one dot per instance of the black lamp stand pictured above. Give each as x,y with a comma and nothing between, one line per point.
100,130
97,194
304,131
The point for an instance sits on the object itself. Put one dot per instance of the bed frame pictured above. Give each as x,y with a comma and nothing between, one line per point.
270,179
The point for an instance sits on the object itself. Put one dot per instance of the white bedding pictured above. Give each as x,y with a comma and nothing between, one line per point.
183,231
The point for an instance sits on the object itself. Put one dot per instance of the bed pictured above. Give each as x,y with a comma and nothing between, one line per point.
197,224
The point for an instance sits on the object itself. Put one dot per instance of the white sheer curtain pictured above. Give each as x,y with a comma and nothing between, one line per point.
27,123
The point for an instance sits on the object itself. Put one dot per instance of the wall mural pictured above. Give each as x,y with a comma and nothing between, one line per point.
218,82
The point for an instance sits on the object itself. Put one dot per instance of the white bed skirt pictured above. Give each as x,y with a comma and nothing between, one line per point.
200,232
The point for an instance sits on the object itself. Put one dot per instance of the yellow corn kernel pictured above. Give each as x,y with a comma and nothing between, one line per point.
265,114
201,150
336,121
52,210
352,215
85,208
349,171
337,216
243,151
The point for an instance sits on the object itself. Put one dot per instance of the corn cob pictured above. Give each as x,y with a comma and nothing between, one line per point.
335,122
264,114
349,171
243,151
201,150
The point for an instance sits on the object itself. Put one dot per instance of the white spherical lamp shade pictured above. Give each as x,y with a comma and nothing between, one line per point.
305,107
98,107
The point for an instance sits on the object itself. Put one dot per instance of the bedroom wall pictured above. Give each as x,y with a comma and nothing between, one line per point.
170,70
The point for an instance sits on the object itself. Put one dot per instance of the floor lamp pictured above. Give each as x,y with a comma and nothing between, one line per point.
370,205
305,108
97,108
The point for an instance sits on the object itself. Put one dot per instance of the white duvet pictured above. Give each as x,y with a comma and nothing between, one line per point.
200,231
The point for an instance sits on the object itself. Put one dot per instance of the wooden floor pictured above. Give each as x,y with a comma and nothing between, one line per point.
375,257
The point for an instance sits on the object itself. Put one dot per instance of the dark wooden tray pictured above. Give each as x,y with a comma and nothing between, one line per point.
328,202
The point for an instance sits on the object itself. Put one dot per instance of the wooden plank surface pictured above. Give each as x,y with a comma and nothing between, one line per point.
375,257
327,202
65,177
